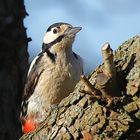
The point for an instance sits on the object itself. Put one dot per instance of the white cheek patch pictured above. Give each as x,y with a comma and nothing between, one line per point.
49,37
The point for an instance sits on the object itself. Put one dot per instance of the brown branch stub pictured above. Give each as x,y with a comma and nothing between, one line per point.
103,83
106,81
109,66
89,86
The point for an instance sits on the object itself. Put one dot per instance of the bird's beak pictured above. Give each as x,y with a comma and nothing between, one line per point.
72,31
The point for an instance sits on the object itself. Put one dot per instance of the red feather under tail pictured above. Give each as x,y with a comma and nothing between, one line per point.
29,126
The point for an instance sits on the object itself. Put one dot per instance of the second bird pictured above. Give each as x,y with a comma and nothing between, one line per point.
53,74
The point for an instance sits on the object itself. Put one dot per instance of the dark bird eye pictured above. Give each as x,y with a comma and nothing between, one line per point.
54,31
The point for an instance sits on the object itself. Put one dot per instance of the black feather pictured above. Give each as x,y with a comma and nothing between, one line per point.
47,46
75,55
51,55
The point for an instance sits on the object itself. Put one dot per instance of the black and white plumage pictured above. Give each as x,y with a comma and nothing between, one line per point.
53,74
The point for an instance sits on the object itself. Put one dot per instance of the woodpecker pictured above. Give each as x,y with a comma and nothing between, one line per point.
52,75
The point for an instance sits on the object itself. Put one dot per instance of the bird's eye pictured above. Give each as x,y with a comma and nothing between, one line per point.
54,31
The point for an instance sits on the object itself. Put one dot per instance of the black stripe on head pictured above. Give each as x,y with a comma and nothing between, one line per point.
56,25
47,46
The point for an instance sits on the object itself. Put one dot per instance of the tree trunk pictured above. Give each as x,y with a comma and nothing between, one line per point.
13,66
86,116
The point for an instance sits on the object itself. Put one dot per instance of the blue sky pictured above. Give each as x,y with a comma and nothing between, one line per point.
112,21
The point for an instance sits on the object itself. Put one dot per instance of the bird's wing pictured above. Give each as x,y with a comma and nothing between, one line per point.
80,60
36,68
34,73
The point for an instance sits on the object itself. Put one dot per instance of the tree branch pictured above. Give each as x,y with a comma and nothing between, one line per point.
106,80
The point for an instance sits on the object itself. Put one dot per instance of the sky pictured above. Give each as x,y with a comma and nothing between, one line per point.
112,21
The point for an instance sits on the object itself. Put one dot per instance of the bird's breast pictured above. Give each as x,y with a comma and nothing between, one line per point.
55,83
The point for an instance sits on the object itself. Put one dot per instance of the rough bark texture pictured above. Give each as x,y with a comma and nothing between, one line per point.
13,66
86,117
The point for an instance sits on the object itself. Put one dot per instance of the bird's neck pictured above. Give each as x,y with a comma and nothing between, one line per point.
65,54
61,49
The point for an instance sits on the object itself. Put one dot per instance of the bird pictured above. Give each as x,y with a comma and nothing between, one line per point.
52,75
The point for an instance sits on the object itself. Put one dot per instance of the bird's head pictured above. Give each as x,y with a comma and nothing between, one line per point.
60,36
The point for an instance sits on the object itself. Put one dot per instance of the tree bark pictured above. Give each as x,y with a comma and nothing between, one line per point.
13,66
86,117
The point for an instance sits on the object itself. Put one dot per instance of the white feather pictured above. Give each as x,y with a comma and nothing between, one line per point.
32,64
